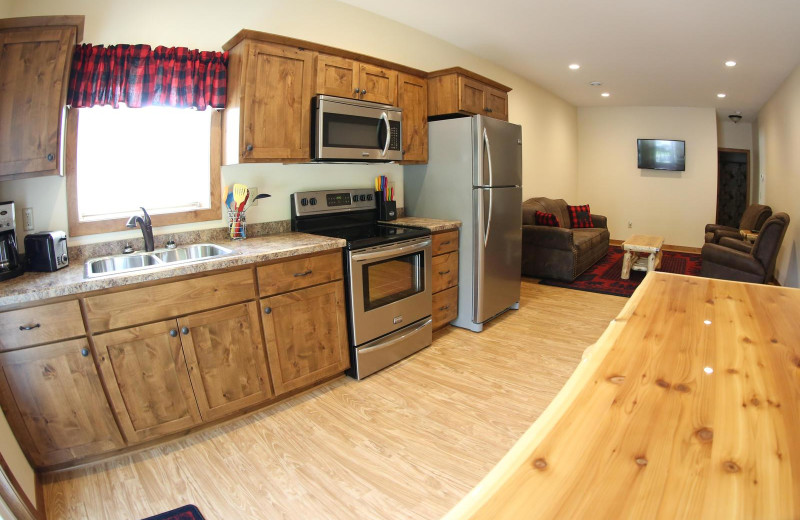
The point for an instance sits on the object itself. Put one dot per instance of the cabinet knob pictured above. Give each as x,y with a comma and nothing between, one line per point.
249,148
489,110
184,330
355,90
50,157
85,352
173,332
267,310
30,327
363,91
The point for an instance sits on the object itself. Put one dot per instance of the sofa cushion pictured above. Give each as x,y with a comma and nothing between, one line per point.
557,207
585,239
545,219
580,217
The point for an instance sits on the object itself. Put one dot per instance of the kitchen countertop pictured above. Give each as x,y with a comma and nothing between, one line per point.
686,407
31,287
435,225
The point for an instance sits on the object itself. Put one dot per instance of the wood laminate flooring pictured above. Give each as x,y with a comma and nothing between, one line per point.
406,443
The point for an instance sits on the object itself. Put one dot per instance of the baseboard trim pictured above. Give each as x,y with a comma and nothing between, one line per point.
665,247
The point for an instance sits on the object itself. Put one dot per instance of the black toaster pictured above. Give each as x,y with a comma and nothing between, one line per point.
46,251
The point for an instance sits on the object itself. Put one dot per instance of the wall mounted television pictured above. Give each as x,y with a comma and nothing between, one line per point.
661,154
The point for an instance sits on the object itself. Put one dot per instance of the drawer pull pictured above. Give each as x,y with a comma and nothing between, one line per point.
184,330
444,243
30,327
85,352
298,275
444,272
267,310
444,307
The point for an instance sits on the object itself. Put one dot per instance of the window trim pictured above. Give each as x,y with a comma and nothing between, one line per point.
78,228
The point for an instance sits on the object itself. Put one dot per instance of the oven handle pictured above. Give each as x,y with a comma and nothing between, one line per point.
392,341
388,133
390,252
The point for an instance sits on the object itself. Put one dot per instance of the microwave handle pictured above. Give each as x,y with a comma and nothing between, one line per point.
388,133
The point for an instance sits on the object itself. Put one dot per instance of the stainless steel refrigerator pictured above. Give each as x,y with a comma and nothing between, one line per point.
474,174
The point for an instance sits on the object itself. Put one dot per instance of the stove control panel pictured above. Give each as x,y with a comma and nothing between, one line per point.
307,203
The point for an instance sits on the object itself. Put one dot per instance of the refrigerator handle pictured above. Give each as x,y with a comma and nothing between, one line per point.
488,154
488,220
488,149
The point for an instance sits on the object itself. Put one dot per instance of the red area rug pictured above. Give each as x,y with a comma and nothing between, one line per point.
189,512
604,276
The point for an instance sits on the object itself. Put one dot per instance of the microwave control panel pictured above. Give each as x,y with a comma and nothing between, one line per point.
394,135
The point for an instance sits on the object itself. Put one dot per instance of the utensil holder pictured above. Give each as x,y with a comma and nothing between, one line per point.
237,225
387,209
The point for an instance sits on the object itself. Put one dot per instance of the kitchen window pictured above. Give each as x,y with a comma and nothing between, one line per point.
162,158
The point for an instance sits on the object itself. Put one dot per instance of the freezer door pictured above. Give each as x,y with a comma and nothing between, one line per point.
497,260
498,149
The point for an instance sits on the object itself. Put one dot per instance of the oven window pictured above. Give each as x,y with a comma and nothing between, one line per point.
393,280
344,131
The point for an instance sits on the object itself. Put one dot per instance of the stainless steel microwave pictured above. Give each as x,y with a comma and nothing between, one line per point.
353,130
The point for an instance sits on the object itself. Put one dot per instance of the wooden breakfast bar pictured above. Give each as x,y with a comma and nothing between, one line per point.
688,407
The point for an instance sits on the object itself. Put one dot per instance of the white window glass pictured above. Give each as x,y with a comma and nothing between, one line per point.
156,157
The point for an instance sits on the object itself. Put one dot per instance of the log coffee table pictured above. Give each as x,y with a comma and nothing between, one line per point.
636,247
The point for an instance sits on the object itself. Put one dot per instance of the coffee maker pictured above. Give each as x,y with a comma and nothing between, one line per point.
10,264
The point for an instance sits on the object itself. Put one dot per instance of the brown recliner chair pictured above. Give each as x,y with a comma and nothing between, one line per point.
753,219
734,259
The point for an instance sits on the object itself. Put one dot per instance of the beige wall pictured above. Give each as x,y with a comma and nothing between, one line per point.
16,460
739,136
675,205
549,123
778,129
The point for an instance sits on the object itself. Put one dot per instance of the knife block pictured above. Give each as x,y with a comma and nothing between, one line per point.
387,209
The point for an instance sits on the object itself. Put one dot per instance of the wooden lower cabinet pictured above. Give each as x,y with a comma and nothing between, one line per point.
54,402
444,284
145,372
225,357
306,335
445,307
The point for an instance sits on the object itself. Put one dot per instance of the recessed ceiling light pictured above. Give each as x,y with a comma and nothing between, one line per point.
721,95
730,63
605,94
574,66
595,83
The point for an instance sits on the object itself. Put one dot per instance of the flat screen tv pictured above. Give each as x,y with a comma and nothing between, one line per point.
662,154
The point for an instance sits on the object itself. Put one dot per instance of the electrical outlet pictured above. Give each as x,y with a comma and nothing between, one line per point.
630,224
253,193
27,219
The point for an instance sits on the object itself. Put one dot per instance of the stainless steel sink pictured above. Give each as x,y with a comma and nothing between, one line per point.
117,264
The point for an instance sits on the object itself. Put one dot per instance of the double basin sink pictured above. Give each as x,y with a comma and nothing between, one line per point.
118,264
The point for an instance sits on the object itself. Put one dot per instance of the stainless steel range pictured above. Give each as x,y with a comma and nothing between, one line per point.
387,271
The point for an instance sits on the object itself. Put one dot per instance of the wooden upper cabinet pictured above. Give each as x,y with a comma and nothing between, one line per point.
268,115
412,97
55,404
343,77
459,91
34,71
145,372
226,359
306,335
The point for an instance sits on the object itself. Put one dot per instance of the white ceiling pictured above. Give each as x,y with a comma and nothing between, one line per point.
646,52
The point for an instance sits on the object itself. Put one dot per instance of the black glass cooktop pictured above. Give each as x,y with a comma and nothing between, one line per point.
372,234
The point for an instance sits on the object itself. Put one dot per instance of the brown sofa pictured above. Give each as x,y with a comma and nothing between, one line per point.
560,252
734,259
752,219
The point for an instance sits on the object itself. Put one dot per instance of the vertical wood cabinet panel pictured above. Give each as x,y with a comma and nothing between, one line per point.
412,97
34,70
337,76
145,372
470,95
496,103
306,335
377,84
55,404
226,359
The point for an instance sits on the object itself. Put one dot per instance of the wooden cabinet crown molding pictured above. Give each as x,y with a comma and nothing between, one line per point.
76,21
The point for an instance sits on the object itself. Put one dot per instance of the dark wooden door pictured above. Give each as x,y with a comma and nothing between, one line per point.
733,180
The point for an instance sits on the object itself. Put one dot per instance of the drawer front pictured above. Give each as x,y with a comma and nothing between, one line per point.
444,242
445,272
159,302
295,274
42,324
445,307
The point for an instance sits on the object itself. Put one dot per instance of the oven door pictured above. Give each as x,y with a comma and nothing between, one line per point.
355,130
390,287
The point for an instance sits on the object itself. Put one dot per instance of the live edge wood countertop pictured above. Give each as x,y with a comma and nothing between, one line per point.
687,407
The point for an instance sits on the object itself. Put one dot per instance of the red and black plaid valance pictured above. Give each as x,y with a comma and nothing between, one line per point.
140,76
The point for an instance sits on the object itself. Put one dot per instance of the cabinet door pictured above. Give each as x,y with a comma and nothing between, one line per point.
497,103
377,84
306,335
55,403
276,109
226,359
471,95
147,380
34,70
337,76
412,97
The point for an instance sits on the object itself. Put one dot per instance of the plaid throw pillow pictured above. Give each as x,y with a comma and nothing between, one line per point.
545,219
580,217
